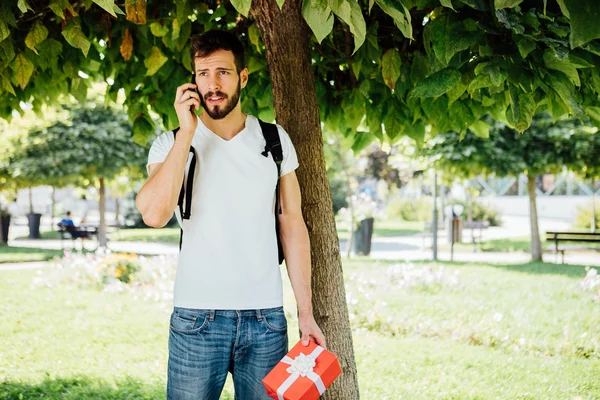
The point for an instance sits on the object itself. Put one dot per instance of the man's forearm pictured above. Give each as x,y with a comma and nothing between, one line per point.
296,247
158,197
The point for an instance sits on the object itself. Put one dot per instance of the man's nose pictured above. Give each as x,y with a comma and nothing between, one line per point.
214,84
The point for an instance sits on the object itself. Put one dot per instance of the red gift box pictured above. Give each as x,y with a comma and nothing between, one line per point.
303,374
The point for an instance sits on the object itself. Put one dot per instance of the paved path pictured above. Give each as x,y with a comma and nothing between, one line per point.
408,248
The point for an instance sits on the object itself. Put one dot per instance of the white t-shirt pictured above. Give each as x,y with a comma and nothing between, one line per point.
228,257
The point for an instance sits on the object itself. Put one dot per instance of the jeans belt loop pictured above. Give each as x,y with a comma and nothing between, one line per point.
259,315
211,315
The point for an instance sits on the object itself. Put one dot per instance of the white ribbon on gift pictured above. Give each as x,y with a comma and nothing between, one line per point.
302,365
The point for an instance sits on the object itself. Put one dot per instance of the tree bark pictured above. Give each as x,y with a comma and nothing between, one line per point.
102,207
30,202
536,244
52,208
117,212
286,37
593,222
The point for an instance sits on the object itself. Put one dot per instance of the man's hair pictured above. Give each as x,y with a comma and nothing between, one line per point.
68,213
207,43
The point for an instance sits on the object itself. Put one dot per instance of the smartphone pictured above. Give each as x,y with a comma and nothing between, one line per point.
194,90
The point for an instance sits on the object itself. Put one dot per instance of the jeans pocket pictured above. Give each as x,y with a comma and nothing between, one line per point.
275,321
188,321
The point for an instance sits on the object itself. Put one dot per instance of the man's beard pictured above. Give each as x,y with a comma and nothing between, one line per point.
219,111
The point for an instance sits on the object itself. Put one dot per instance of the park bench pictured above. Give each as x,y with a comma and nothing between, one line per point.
477,228
577,237
74,233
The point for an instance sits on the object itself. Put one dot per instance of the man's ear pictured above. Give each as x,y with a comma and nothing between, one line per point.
244,77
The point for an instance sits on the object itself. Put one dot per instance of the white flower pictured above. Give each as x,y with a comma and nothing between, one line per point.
498,317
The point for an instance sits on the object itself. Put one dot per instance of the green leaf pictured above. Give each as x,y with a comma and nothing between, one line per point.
450,37
7,52
399,14
565,94
75,37
36,35
447,3
553,61
143,127
158,29
584,16
390,67
280,3
437,83
6,86
393,124
350,12
4,31
242,6
108,6
521,109
318,16
361,141
563,8
58,7
480,129
499,4
526,46
155,61
419,68
117,10
416,131
24,6
593,113
23,68
461,116
254,36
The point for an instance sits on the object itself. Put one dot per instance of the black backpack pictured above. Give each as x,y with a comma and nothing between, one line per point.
273,145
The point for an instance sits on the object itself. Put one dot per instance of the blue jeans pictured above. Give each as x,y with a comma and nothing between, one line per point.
204,345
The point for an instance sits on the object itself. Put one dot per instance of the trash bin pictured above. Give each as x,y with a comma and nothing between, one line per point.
34,225
454,228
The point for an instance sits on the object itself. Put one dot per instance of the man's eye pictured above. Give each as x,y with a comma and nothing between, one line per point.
202,73
224,72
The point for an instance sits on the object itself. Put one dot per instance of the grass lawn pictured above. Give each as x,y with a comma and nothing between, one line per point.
515,244
11,254
421,331
382,228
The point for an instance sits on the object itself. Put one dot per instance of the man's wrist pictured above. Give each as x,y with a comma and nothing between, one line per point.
305,313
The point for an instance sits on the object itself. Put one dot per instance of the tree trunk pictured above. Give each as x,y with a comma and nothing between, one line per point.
536,244
117,212
593,225
30,202
102,207
52,208
286,38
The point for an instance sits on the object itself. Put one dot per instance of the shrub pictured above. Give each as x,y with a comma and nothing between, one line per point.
118,266
583,220
410,209
480,211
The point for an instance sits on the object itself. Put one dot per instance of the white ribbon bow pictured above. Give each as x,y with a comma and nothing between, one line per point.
303,365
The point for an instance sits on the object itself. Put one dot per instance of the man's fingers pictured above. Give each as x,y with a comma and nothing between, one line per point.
320,340
305,339
182,88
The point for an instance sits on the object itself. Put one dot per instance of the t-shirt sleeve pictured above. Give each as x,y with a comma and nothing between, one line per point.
160,149
290,158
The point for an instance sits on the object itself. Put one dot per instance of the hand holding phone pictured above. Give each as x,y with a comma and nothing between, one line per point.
186,100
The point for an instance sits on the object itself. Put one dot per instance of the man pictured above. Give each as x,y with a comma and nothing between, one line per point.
68,225
228,305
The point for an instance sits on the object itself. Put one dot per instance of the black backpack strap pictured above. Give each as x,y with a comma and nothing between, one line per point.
273,145
186,189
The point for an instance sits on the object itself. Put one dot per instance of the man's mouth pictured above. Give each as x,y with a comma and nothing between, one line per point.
215,99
